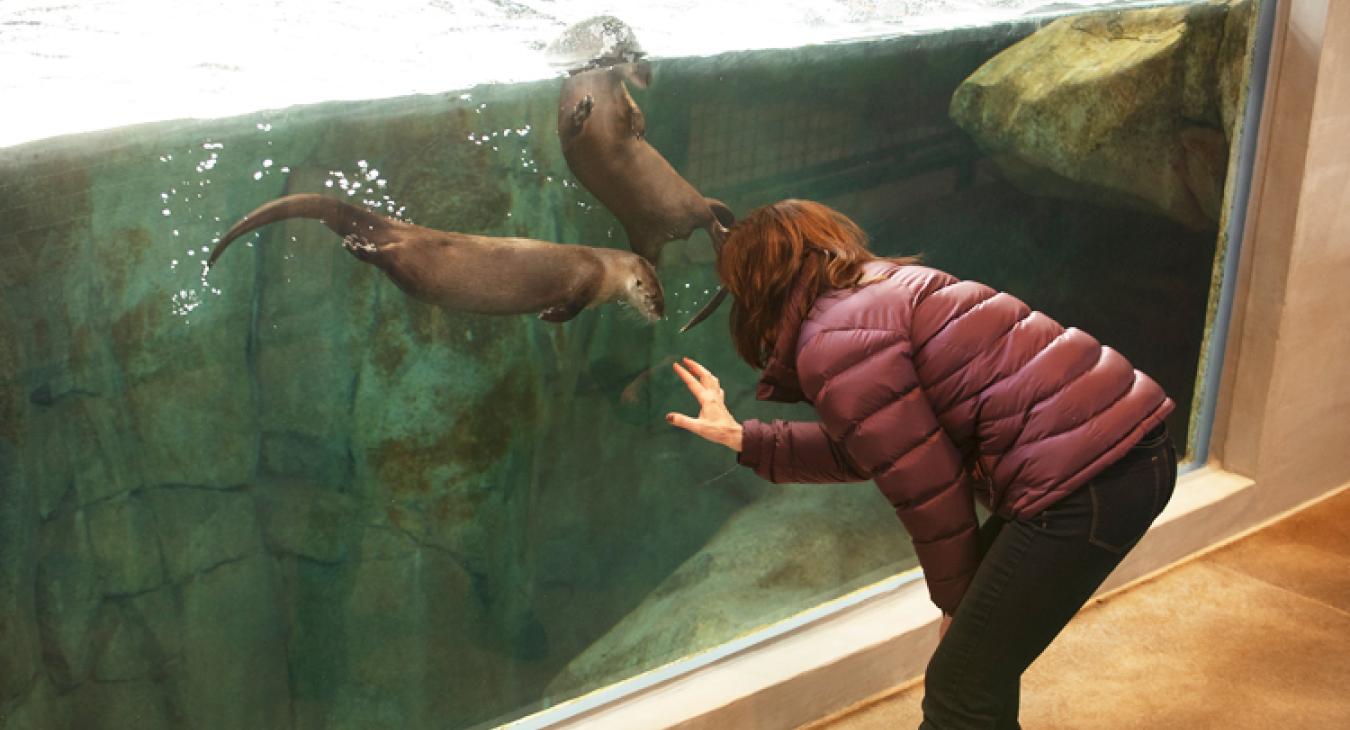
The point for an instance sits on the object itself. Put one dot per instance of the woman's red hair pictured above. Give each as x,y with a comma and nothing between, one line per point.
770,250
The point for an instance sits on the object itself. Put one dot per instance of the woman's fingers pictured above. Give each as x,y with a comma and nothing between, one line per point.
685,422
690,381
696,367
704,375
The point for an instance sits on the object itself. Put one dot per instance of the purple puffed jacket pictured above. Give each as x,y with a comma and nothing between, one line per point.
944,391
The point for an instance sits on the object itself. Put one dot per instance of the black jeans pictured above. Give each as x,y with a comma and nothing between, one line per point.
1034,576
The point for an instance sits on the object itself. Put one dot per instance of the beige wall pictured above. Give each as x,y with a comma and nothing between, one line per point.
1285,418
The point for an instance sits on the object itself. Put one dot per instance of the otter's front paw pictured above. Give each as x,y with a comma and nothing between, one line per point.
359,247
582,111
560,313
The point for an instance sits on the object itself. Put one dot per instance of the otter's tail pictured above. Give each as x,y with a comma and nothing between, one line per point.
718,229
343,218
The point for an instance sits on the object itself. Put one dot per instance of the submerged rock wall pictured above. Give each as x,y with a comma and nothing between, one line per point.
291,497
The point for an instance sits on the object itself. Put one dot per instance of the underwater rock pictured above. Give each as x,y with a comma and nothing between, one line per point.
98,429
1121,107
780,555
405,659
67,597
126,552
41,708
307,520
20,645
161,613
123,646
315,306
202,528
234,649
143,705
195,425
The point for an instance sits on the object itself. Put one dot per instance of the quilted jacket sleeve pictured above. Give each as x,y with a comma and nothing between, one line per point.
864,386
795,452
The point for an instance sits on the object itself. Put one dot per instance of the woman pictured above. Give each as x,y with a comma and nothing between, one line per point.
944,391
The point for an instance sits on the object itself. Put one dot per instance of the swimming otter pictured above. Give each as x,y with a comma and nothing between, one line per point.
483,274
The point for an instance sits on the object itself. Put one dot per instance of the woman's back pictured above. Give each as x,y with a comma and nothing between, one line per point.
1044,407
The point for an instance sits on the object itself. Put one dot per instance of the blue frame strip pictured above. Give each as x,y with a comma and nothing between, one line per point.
1237,221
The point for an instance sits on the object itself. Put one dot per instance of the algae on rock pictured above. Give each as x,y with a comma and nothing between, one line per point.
1131,107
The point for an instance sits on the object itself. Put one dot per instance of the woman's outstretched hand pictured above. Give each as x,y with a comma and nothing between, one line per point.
714,421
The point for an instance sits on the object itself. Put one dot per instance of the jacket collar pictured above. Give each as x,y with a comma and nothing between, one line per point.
779,381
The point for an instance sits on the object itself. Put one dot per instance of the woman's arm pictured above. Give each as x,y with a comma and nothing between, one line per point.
779,451
867,392
795,452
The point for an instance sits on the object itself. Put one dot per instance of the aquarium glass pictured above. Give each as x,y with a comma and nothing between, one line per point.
285,494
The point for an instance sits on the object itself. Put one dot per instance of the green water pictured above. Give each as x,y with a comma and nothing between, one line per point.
293,497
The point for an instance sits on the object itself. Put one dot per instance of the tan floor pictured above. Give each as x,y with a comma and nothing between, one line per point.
1255,635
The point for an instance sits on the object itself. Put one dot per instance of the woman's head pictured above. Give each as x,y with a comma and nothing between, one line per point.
769,250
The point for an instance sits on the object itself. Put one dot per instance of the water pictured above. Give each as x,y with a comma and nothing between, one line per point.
286,495
105,63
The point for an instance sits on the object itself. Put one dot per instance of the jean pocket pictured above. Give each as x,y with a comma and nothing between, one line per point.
1123,506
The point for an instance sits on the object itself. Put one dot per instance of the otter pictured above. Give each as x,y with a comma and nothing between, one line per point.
603,136
470,273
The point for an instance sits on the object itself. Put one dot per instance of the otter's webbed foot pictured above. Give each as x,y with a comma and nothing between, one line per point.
561,313
582,111
359,247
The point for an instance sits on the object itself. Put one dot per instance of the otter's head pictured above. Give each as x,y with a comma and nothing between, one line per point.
642,289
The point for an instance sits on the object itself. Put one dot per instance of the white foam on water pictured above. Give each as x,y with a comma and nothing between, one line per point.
98,64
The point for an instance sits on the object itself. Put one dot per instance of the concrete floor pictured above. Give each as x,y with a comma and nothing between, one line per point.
1254,635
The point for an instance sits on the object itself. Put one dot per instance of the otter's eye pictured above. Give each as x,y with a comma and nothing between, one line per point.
638,282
